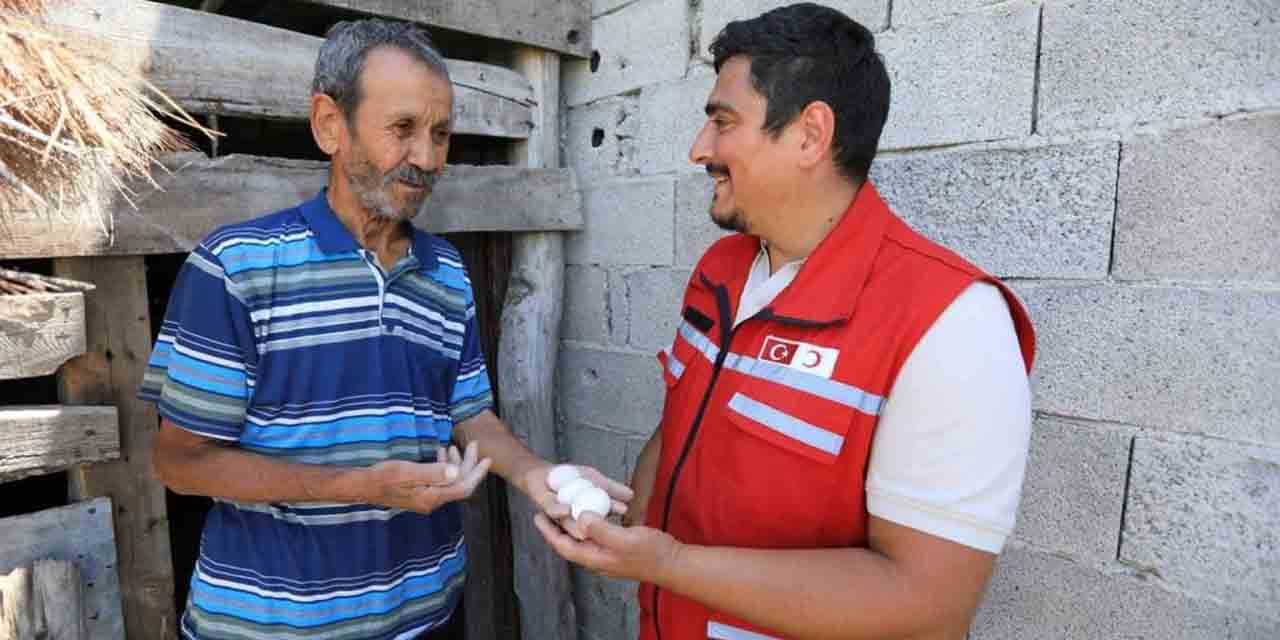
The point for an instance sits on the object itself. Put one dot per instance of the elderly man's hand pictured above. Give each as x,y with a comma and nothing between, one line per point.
635,553
535,486
424,487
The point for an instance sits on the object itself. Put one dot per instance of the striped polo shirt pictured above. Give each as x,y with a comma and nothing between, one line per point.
286,338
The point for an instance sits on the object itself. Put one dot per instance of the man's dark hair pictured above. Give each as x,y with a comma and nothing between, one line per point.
806,52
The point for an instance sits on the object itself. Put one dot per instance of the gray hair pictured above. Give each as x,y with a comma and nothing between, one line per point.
347,44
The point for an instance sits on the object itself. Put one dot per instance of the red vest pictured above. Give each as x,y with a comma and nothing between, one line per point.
767,428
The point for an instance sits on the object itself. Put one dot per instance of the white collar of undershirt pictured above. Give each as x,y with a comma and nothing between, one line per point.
762,287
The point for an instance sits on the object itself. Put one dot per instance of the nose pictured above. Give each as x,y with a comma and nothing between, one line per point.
700,152
424,155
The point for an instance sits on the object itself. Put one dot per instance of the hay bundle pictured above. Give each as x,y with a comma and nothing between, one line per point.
67,112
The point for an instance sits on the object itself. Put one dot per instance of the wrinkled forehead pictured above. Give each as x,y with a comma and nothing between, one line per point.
393,79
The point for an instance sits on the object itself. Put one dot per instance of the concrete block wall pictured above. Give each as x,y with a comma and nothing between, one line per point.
1116,162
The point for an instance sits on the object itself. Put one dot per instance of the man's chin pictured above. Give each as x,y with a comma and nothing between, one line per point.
729,220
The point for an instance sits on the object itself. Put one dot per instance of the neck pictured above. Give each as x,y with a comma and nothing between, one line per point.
809,218
383,236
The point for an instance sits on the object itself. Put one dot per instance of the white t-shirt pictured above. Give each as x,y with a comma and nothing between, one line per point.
951,444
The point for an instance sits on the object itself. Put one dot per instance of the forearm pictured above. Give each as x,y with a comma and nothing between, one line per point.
512,460
813,593
230,473
642,478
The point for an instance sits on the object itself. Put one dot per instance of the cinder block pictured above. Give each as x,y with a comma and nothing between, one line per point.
625,222
1043,212
1221,220
655,296
1202,360
595,146
1074,492
612,453
667,117
695,232
640,44
906,12
1205,515
607,607
586,311
599,7
619,308
1116,63
961,80
613,389
647,132
1041,596
872,14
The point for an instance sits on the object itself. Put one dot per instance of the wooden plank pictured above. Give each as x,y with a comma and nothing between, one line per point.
196,195
489,602
527,360
20,616
60,592
117,322
81,534
45,601
559,25
36,440
39,332
210,63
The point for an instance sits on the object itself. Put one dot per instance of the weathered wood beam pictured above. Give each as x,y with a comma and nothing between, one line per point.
559,25
39,332
118,329
79,533
44,601
527,352
35,440
197,194
211,63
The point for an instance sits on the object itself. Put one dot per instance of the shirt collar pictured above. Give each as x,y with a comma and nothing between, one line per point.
833,276
332,237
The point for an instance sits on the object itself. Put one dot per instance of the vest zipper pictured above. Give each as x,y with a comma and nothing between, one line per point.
727,329
726,339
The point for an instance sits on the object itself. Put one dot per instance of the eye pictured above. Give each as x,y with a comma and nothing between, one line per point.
440,135
402,128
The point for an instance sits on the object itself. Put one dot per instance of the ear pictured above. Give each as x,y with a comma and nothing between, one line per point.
817,129
328,124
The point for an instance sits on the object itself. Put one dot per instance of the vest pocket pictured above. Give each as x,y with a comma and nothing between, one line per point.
722,631
775,458
789,424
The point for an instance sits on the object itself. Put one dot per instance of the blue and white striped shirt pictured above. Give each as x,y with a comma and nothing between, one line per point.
286,338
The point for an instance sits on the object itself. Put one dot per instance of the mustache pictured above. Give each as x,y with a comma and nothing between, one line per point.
412,175
717,170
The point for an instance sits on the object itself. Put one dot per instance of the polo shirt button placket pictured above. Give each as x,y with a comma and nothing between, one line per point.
370,260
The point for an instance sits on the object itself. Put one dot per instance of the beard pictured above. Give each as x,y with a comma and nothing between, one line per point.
733,220
376,191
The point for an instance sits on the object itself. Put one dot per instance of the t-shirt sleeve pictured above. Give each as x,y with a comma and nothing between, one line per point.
471,392
950,450
202,370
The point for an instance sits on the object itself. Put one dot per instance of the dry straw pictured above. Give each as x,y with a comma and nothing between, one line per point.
70,119
69,115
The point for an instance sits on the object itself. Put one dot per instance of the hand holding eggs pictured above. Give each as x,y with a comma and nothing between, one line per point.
578,492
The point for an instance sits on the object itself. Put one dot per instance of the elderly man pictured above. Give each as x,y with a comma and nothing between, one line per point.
848,414
314,366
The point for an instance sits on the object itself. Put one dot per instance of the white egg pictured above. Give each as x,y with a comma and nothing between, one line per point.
594,500
561,475
567,493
